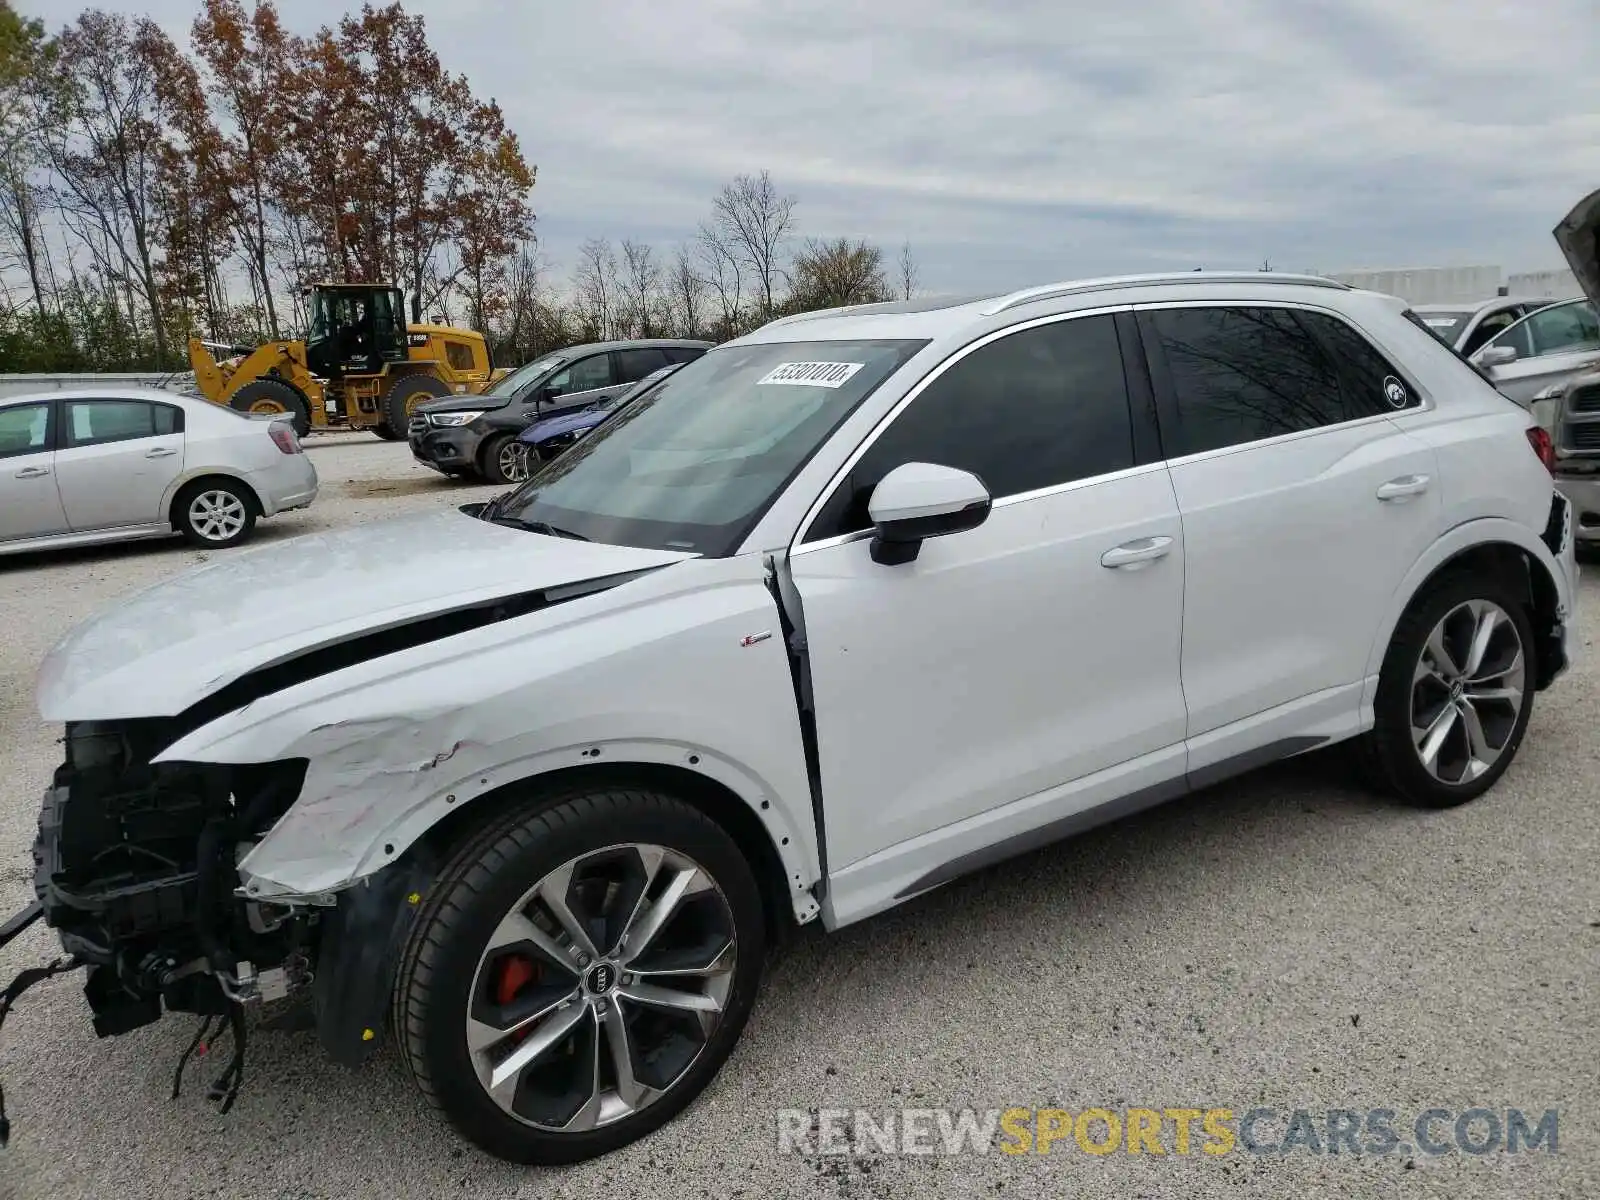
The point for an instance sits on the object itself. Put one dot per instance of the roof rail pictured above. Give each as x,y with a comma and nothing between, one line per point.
1051,290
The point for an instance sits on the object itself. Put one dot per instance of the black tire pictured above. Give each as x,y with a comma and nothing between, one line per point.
387,432
482,883
1387,755
406,394
274,395
490,465
232,507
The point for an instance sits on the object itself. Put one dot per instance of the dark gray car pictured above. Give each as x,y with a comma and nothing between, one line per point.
469,435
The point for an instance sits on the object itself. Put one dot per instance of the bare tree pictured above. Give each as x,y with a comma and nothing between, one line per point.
594,285
723,276
686,294
754,221
639,290
20,232
910,277
103,142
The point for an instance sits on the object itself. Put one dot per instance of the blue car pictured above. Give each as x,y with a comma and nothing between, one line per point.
547,439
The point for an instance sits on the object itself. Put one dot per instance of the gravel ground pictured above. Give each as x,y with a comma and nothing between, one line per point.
1281,941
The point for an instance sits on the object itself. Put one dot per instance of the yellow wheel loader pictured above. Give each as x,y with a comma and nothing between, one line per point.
359,367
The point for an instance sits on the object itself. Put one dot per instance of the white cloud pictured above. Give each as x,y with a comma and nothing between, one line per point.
1022,139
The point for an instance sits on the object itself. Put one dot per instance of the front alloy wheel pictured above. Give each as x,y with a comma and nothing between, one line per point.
514,462
600,987
579,971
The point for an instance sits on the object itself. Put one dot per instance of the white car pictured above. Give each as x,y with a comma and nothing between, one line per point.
116,464
1534,359
853,605
1468,326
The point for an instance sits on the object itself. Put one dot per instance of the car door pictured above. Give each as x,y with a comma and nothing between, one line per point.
116,461
30,504
1303,504
956,694
1549,347
578,385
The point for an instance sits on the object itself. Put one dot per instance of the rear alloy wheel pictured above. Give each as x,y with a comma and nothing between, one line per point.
1455,695
215,514
1467,691
557,1022
505,460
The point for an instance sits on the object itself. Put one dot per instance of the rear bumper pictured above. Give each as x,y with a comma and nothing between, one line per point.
1556,649
1583,491
287,486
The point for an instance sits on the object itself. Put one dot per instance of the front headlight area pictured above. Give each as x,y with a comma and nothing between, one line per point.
135,865
453,420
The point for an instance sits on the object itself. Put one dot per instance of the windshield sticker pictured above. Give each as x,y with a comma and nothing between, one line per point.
812,374
1440,322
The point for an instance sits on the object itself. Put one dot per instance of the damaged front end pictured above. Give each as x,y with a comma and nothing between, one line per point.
136,869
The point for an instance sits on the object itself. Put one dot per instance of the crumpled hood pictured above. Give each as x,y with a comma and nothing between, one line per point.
155,653
1578,235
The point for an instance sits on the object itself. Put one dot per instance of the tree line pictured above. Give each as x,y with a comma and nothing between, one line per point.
150,191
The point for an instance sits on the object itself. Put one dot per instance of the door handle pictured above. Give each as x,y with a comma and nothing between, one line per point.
1404,487
1131,554
160,452
33,472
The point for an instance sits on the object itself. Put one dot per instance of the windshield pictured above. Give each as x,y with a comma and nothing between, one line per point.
1448,325
510,385
694,462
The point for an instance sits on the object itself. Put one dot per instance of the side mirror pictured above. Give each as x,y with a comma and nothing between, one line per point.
917,501
1496,356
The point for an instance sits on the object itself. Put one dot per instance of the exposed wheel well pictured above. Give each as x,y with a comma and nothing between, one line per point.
718,802
1515,567
233,481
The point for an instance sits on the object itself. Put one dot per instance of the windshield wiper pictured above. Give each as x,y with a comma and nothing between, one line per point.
538,527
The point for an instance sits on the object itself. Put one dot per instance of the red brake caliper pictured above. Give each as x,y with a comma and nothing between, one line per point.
516,972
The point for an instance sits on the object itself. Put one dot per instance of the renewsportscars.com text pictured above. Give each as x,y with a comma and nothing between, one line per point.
1181,1132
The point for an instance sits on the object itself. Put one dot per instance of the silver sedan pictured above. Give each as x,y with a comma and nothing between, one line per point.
115,464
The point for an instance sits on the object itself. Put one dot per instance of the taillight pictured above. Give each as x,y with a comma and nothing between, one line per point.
283,437
1539,439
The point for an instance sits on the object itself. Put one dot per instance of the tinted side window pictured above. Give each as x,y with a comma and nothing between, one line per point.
168,418
1240,375
459,356
1371,384
1042,407
634,365
583,375
684,354
592,372
24,429
93,422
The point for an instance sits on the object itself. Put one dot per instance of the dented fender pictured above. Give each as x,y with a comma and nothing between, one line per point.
670,670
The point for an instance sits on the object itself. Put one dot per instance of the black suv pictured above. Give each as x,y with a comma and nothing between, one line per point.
477,435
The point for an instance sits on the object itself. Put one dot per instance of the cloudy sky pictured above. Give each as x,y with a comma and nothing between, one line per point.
1019,141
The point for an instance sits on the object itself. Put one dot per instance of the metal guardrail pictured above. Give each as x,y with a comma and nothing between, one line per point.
13,385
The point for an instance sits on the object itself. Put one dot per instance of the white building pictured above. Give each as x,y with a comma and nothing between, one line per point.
1461,285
